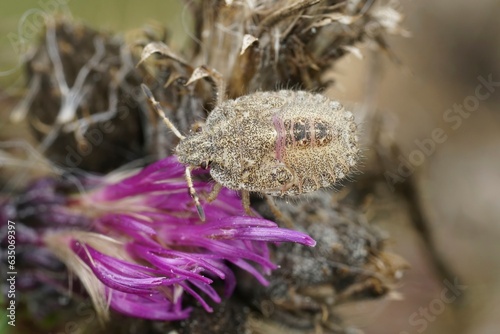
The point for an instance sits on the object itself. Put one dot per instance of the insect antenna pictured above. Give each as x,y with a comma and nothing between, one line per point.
189,180
157,107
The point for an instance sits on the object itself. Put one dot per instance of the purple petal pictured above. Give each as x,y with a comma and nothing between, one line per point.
120,275
153,307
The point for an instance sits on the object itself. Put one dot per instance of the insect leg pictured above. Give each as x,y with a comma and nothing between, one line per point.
245,199
277,212
214,193
193,194
157,107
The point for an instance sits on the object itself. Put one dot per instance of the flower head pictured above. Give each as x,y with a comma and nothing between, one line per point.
138,246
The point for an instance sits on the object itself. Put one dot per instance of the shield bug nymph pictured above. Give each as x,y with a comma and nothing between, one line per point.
275,143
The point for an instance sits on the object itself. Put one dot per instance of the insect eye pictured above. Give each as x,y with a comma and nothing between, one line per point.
205,164
197,127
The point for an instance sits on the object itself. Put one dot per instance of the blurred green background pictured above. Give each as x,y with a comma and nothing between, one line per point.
23,18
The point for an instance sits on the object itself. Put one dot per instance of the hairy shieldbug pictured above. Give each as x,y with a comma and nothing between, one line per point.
275,143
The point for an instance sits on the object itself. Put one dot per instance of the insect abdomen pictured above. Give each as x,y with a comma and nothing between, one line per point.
300,133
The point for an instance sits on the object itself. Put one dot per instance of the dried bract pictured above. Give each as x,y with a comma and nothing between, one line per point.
80,102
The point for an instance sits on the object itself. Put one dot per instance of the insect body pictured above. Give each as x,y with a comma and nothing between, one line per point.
276,143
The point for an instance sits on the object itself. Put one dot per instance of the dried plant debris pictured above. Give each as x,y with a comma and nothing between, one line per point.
80,102
264,45
348,264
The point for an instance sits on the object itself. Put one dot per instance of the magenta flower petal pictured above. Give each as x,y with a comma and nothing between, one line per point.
141,237
154,307
120,275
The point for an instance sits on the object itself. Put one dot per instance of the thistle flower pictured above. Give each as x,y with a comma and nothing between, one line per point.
137,244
